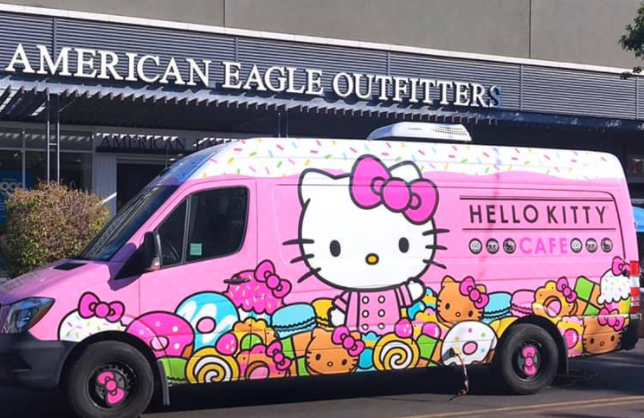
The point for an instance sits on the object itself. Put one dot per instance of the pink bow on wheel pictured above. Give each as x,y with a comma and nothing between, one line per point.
265,273
611,318
468,288
115,394
91,306
619,267
416,199
529,367
342,336
274,351
568,292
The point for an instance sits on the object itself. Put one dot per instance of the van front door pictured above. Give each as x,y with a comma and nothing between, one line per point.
187,305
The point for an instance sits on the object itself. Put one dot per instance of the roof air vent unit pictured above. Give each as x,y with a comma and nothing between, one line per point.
420,131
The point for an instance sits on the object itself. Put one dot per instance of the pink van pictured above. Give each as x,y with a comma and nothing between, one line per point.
277,258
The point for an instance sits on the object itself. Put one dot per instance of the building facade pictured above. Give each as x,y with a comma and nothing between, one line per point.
106,95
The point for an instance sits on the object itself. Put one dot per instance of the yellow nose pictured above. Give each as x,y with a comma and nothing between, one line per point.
372,259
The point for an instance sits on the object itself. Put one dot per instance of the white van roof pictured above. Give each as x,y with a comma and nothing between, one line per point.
278,157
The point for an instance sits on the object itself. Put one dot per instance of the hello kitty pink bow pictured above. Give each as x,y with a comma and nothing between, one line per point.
265,273
468,288
342,336
91,306
611,318
416,199
619,267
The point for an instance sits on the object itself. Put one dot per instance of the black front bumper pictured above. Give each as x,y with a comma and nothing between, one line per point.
630,336
29,362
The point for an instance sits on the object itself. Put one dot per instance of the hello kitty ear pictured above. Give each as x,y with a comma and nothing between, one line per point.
407,171
310,180
317,332
447,279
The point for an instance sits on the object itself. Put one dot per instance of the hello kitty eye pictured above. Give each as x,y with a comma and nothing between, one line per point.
318,357
447,306
612,338
592,341
335,248
470,314
403,245
344,362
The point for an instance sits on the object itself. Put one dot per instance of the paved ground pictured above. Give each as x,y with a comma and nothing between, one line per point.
608,387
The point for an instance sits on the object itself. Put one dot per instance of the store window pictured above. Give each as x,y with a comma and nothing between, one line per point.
635,165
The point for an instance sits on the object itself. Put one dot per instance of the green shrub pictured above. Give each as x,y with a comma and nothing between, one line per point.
49,223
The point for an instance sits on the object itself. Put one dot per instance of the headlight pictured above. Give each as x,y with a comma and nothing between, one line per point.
25,314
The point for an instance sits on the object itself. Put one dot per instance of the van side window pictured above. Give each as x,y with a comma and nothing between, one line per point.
217,222
171,233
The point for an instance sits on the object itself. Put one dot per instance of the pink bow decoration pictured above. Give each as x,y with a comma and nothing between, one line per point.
342,336
611,318
619,267
564,287
265,273
416,199
529,366
91,306
468,288
115,394
274,351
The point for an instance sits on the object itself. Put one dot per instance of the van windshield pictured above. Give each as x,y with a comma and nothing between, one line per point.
126,222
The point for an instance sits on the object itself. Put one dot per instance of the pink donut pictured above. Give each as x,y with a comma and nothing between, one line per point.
168,335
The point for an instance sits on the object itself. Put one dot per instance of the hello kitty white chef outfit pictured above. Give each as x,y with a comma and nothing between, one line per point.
372,185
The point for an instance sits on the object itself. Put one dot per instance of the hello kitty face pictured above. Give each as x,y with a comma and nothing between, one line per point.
372,229
598,338
461,301
323,356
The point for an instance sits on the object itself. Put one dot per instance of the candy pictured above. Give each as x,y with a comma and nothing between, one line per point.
294,319
210,314
166,334
587,297
75,328
472,341
322,307
498,307
208,366
394,353
174,368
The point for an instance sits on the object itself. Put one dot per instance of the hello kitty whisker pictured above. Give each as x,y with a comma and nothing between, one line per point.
435,247
298,241
302,258
435,231
309,274
443,266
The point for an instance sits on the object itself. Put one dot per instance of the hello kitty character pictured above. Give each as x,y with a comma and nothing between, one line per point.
370,234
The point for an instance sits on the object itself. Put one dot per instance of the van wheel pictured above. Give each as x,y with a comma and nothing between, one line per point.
109,380
527,359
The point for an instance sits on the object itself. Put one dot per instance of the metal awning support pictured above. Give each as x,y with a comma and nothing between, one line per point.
53,106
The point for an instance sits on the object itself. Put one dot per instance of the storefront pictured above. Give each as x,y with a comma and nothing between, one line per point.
123,98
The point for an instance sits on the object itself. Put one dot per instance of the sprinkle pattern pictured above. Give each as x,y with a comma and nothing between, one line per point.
279,157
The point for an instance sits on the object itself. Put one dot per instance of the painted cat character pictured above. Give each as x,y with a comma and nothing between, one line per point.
370,234
333,352
603,333
464,301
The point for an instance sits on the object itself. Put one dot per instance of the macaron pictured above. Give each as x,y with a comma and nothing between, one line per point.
521,304
294,319
498,307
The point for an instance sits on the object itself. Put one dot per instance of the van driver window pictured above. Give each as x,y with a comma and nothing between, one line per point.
171,234
217,223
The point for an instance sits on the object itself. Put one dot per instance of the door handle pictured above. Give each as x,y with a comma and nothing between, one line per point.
237,280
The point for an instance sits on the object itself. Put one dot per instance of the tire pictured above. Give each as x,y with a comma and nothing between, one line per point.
110,379
527,360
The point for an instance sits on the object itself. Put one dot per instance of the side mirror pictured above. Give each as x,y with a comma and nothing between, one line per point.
151,251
